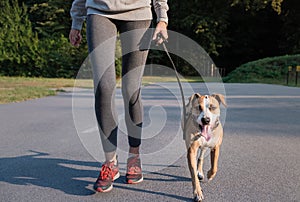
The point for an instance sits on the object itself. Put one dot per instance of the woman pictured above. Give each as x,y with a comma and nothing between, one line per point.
131,18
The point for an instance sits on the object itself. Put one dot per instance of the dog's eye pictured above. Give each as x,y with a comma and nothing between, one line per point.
212,107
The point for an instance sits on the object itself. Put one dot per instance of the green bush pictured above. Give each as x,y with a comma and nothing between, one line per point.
55,58
18,43
263,70
22,53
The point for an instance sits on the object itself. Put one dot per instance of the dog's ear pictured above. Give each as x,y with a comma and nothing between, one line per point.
197,95
188,105
193,97
220,98
191,100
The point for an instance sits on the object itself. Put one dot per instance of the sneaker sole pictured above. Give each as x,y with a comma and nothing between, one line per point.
134,182
110,187
104,190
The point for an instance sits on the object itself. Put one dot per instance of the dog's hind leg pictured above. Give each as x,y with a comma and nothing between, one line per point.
200,163
191,156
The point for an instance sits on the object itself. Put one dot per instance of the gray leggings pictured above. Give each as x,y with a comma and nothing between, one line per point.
101,37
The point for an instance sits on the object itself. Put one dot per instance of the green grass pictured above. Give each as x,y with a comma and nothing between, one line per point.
23,93
18,89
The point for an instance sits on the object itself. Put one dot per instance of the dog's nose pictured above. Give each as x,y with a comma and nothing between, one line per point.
205,120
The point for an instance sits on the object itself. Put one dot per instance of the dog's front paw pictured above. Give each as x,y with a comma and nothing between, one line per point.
211,174
198,196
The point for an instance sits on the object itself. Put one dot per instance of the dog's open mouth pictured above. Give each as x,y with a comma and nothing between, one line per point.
206,132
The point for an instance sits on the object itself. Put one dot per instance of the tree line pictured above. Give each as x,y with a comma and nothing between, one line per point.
34,36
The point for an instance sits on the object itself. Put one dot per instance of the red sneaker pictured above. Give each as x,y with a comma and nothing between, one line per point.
109,172
134,170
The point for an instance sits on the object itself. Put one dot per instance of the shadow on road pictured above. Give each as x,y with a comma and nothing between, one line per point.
70,176
37,169
182,198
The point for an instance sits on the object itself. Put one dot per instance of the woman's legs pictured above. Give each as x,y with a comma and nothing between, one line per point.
133,37
134,40
101,37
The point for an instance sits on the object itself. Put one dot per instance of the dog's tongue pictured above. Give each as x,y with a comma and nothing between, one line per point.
205,132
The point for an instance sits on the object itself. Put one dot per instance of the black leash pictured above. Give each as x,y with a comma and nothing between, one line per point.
179,83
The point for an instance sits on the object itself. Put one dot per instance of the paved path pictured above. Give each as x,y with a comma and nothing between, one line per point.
43,159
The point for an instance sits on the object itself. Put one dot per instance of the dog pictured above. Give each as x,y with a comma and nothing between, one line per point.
203,129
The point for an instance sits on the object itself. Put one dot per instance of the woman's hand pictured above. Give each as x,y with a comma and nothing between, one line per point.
160,33
75,37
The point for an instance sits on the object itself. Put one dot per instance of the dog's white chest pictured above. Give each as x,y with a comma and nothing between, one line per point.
208,143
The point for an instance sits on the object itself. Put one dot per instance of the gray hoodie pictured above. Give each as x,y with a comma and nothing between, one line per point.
118,9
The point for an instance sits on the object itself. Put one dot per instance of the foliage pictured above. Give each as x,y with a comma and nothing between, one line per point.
18,43
204,21
290,27
24,53
267,69
34,36
252,36
58,61
259,4
50,18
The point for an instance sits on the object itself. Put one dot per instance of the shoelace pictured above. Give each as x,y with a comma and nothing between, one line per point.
106,172
134,166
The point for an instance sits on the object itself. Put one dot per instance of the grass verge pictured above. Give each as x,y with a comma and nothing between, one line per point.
18,89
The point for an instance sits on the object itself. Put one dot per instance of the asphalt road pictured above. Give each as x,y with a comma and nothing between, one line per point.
44,155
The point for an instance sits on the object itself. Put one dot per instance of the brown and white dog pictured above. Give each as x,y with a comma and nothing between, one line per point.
203,130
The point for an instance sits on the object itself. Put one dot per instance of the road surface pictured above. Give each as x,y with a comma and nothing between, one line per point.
44,158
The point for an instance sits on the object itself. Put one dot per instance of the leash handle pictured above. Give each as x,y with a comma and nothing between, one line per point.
178,81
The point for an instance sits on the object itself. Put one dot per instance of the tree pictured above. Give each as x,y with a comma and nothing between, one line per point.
256,5
203,20
50,17
253,35
290,31
24,52
34,37
261,29
18,43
